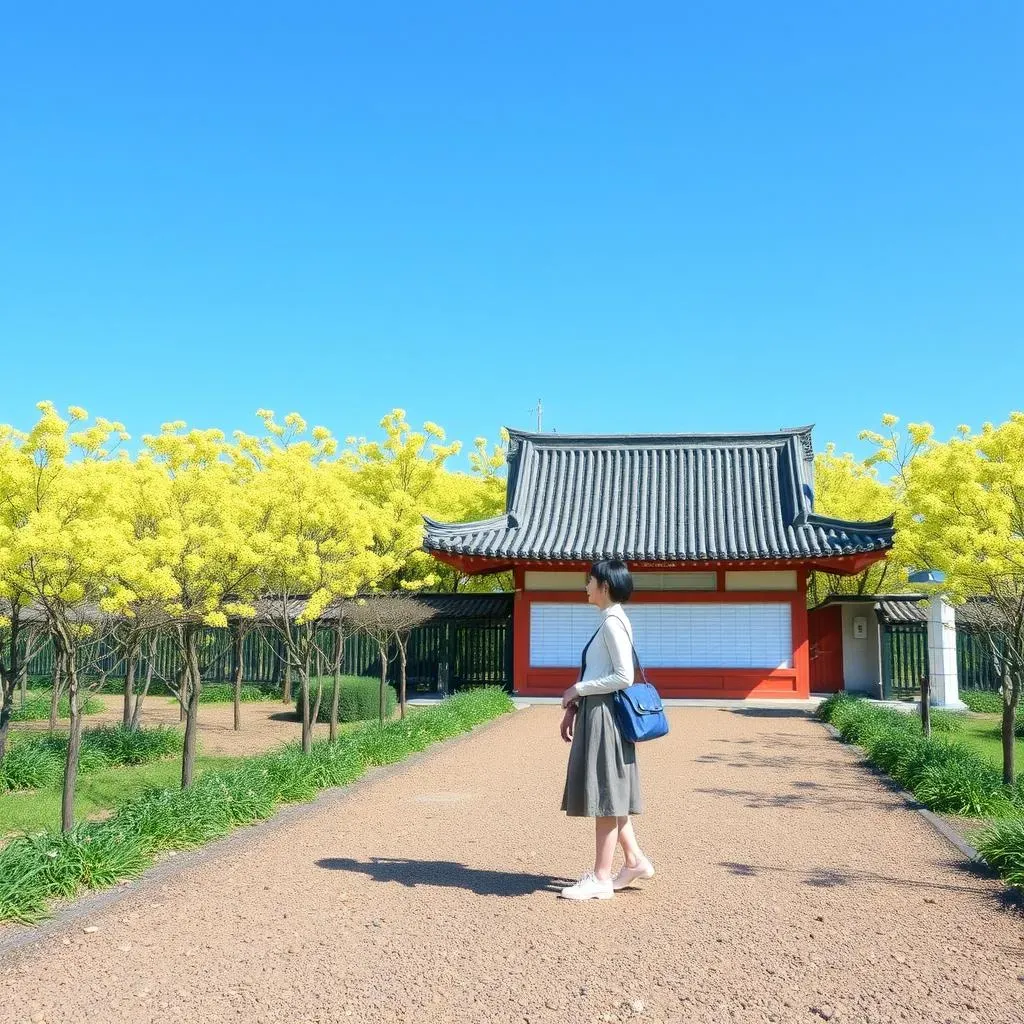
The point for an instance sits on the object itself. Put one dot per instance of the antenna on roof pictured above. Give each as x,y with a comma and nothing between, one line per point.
539,410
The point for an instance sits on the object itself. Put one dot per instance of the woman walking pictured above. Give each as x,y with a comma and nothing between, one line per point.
602,780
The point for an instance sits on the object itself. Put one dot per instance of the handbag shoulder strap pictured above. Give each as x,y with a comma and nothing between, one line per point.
636,657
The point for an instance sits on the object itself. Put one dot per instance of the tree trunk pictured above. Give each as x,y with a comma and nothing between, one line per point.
184,686
401,679
926,706
150,666
67,806
307,739
23,683
1011,699
382,704
5,717
315,715
339,650
286,695
129,685
194,688
58,683
8,680
239,640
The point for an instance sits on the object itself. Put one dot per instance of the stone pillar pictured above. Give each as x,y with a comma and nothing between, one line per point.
944,686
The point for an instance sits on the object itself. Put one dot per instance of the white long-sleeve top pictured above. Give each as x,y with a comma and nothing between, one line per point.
608,665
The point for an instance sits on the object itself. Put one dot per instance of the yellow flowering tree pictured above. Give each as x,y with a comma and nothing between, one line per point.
405,477
312,537
64,545
868,490
964,516
196,555
401,477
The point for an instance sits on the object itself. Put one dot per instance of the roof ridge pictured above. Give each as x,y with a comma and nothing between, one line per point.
779,435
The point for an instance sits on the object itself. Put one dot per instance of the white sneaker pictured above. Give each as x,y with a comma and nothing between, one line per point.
627,875
589,887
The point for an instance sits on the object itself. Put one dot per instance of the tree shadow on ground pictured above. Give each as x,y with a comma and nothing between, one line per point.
827,800
447,874
770,712
834,878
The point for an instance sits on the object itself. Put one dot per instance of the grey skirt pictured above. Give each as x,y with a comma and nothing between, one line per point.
602,779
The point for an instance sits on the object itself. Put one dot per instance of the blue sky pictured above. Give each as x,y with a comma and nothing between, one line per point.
656,217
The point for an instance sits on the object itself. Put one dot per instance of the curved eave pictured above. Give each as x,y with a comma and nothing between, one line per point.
842,565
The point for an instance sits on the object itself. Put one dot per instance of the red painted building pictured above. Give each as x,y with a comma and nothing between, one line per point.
719,531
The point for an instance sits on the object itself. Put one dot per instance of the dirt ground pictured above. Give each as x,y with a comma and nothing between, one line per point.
265,724
792,886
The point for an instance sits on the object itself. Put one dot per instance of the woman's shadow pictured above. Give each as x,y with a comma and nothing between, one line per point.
447,873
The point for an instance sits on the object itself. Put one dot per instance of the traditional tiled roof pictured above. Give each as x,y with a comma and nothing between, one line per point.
693,497
898,608
905,609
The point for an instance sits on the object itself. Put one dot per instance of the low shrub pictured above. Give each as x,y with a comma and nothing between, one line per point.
358,700
1001,843
37,869
37,706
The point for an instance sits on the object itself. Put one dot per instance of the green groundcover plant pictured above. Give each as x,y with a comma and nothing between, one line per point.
36,761
987,702
943,774
36,869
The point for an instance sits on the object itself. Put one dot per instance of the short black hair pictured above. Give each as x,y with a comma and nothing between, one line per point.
616,574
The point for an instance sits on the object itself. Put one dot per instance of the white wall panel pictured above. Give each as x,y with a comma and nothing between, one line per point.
672,635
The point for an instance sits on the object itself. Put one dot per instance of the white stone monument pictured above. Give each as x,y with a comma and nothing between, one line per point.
944,688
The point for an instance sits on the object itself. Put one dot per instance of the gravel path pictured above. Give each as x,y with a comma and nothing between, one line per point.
792,886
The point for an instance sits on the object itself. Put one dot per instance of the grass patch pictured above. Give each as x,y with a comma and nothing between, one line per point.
37,706
36,761
97,794
35,869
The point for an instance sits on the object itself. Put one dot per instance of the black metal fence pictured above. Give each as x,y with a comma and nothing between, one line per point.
905,659
443,655
975,664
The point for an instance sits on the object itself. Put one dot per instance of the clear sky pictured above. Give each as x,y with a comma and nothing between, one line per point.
684,216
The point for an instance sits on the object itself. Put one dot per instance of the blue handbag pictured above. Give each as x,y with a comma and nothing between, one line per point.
639,713
637,709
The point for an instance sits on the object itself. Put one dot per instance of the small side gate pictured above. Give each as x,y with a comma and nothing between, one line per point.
904,659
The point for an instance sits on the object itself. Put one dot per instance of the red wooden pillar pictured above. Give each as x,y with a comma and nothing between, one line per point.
801,659
520,631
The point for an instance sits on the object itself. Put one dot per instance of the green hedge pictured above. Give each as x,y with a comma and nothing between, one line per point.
37,761
359,700
37,706
35,869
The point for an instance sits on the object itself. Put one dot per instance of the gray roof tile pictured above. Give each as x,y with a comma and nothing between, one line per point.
696,497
